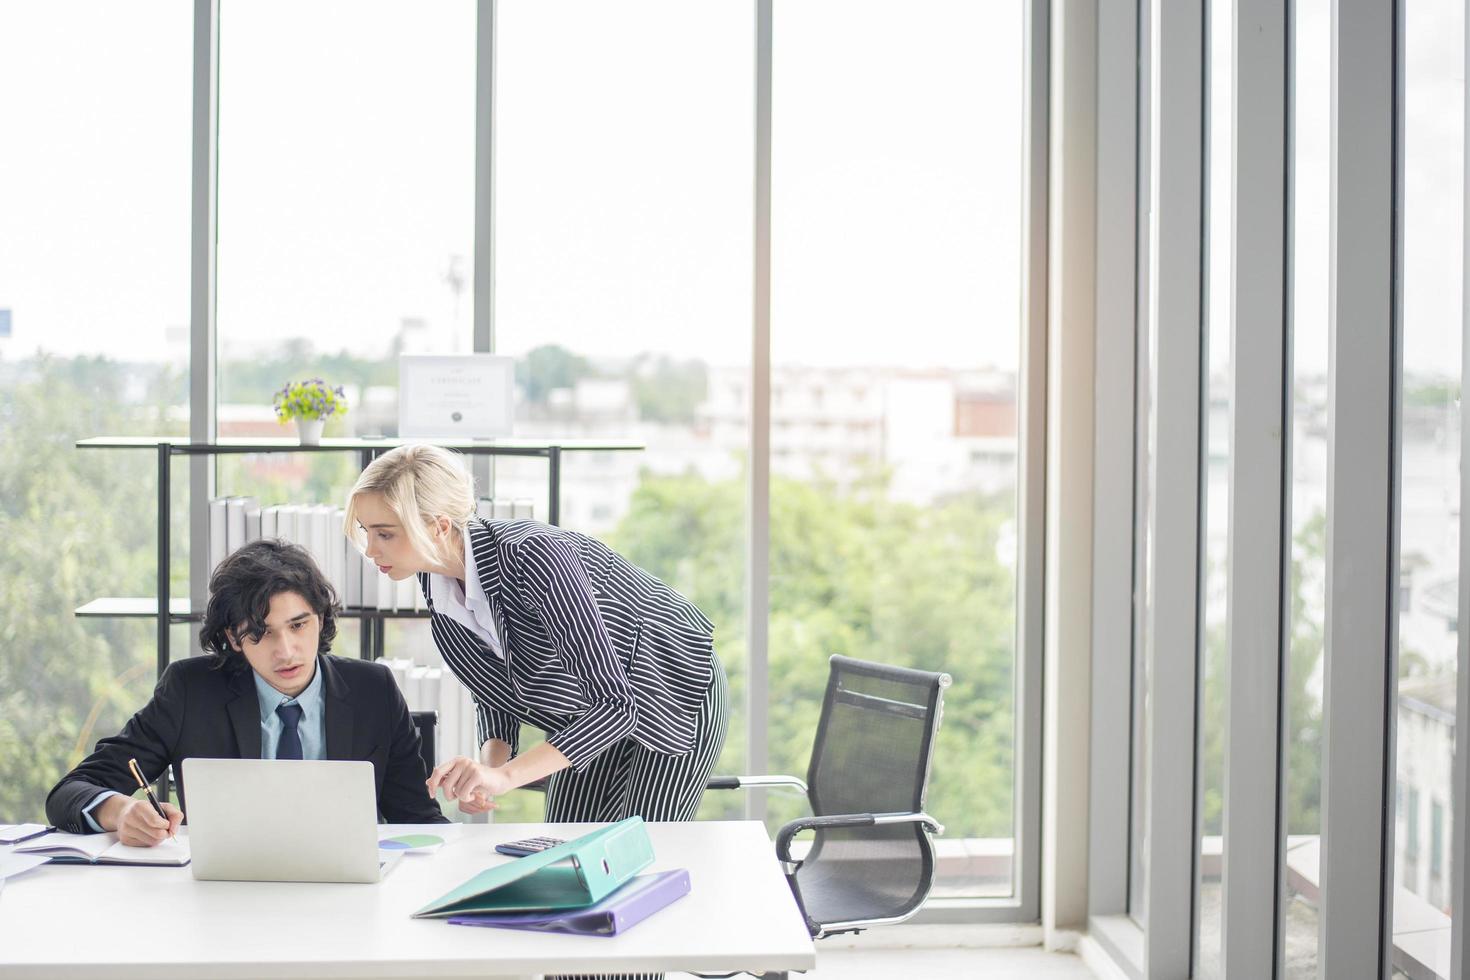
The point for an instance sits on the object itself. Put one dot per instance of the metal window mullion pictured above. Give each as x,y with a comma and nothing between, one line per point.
1358,677
1031,476
203,335
1113,438
1259,526
1138,577
1176,325
1459,865
1071,303
482,314
758,558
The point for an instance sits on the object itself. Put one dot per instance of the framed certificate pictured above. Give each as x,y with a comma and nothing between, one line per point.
465,396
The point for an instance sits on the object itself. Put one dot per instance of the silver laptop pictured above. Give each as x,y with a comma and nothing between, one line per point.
283,820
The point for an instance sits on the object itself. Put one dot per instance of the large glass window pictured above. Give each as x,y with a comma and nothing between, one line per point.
895,323
1311,181
1429,481
346,199
623,231
346,217
94,315
346,237
623,289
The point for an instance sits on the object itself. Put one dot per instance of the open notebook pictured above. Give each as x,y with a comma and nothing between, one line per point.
64,848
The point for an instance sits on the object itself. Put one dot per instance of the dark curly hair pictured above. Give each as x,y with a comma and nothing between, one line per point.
240,593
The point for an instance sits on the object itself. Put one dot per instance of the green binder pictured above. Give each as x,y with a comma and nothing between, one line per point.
568,876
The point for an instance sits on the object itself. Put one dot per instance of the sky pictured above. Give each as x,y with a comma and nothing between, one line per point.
624,179
624,183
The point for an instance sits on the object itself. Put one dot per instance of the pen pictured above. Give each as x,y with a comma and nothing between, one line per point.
138,775
7,839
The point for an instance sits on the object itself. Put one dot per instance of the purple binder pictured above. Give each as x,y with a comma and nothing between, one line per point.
616,913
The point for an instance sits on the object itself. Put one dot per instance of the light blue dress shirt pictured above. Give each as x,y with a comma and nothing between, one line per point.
312,728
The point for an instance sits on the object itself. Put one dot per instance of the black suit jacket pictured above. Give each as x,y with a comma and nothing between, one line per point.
200,712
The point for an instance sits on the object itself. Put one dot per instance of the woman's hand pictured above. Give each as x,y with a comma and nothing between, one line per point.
474,784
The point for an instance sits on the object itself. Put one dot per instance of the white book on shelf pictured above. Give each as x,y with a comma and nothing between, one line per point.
399,667
321,519
352,560
306,531
327,542
386,592
523,509
485,509
370,575
446,735
269,527
302,534
303,526
337,552
351,557
235,523
413,691
252,520
429,688
219,538
287,517
403,593
503,509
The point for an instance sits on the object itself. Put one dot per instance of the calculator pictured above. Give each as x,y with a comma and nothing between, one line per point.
528,845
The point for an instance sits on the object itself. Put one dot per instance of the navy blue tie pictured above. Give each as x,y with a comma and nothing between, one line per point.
289,746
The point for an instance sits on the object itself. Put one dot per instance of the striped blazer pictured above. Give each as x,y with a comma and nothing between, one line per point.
596,649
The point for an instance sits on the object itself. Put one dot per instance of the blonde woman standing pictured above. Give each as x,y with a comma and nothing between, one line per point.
553,628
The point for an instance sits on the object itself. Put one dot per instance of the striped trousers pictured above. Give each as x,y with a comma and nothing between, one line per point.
629,780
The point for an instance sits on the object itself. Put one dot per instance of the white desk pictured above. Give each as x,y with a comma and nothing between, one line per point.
123,922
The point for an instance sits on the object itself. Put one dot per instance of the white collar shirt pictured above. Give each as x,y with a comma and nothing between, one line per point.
468,605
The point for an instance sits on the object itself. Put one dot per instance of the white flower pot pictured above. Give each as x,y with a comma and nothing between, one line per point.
309,431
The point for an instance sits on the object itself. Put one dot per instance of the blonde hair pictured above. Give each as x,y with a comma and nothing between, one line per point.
419,483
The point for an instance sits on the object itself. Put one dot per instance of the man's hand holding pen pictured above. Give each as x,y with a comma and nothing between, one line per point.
136,822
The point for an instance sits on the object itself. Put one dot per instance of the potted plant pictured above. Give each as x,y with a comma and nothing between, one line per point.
310,403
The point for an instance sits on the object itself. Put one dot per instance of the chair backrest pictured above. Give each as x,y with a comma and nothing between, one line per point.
872,754
875,738
426,722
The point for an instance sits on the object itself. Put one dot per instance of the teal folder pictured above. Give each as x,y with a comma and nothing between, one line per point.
568,876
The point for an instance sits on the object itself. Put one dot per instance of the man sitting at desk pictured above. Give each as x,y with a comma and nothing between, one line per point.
270,690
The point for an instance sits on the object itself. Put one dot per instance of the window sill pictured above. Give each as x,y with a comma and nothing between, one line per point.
1113,947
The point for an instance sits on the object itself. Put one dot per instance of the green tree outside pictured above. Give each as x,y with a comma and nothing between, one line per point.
852,572
77,525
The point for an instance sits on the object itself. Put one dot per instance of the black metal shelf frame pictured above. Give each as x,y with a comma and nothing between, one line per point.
371,634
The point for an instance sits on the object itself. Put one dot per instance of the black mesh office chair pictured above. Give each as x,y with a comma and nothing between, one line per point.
426,722
872,858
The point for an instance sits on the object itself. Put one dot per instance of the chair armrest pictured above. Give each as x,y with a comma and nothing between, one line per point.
836,821
756,782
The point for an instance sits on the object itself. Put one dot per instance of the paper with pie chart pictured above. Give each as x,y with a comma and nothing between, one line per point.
412,843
